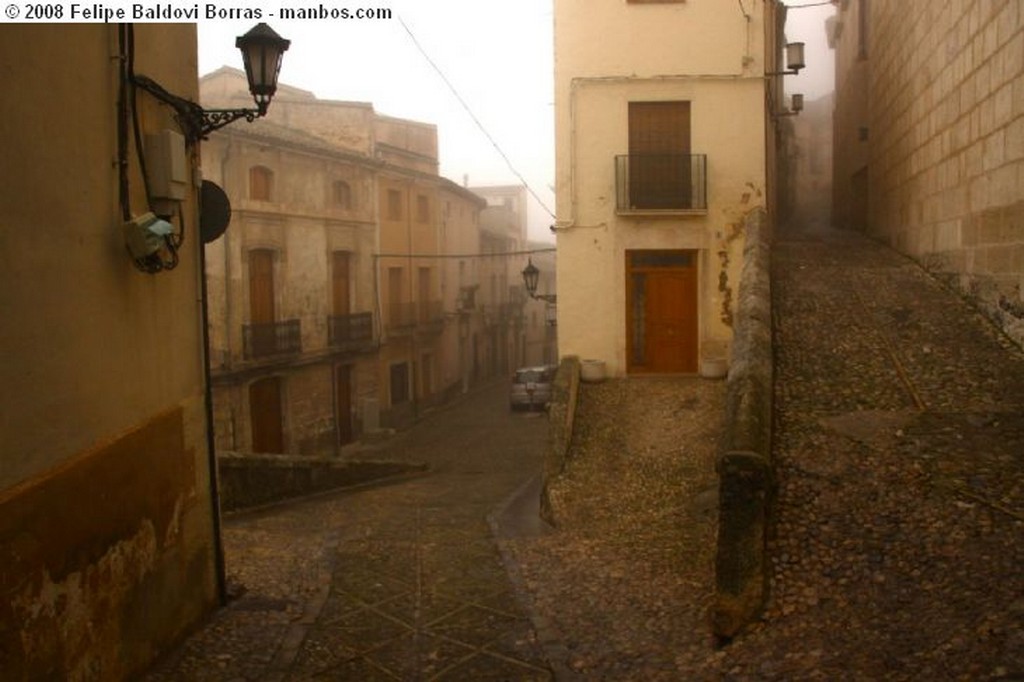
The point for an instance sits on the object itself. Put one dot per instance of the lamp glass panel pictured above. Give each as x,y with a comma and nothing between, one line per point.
795,56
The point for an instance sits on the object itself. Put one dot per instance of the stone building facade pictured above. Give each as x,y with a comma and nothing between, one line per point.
930,139
293,338
464,345
344,229
108,529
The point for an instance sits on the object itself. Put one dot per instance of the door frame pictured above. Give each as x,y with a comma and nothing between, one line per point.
692,270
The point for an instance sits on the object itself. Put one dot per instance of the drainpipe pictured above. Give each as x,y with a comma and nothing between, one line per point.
218,546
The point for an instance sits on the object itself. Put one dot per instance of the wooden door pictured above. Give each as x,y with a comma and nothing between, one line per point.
340,276
265,415
395,297
424,295
263,340
662,315
659,155
343,403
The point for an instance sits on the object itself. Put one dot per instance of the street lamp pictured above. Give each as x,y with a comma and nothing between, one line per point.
795,107
794,60
262,50
531,275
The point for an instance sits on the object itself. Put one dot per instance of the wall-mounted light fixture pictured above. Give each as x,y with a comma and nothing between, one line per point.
796,105
151,238
794,60
262,50
531,275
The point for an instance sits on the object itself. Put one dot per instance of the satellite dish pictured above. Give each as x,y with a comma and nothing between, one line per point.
214,211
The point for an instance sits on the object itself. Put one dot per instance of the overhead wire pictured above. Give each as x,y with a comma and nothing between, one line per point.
473,116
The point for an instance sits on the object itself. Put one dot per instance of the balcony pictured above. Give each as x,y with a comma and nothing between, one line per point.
401,318
430,316
271,338
350,332
661,184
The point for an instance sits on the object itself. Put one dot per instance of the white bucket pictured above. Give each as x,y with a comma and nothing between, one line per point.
592,371
714,368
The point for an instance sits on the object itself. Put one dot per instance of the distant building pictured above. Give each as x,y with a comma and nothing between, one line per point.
664,144
463,363
338,256
929,130
108,533
808,165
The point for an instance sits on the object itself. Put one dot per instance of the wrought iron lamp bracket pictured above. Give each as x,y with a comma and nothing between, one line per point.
214,119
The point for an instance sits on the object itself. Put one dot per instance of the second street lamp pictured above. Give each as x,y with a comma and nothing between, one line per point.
531,277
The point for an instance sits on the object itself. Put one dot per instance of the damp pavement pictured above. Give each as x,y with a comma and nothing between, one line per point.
897,552
399,581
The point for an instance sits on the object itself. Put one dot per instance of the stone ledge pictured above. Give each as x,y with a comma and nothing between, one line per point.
744,465
247,481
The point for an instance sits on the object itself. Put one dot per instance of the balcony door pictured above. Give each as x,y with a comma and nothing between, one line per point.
659,155
261,303
340,283
661,319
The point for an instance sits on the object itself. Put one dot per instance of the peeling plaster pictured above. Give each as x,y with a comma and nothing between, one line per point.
72,615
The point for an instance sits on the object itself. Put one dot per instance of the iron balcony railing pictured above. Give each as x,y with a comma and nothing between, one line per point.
401,317
271,338
350,331
661,182
430,313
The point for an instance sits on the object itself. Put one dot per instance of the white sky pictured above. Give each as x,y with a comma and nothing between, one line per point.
497,53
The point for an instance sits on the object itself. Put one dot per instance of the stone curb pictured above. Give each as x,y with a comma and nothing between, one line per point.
561,416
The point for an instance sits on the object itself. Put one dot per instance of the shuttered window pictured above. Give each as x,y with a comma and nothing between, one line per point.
659,155
261,182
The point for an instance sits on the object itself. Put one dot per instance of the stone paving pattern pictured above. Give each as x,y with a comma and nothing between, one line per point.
898,551
396,582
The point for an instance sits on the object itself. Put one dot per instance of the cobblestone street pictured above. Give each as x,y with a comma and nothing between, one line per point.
402,581
899,541
899,450
896,554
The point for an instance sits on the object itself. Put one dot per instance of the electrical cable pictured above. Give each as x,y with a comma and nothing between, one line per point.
469,111
174,240
122,125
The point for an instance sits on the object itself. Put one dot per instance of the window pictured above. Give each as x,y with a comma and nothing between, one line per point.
422,209
660,166
342,194
394,204
399,309
261,182
424,295
340,283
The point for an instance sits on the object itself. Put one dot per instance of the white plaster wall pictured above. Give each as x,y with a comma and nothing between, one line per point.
706,53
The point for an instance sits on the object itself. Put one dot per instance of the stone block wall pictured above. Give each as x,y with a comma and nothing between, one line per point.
744,464
947,143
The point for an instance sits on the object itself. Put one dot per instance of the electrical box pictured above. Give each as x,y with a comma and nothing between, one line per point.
167,166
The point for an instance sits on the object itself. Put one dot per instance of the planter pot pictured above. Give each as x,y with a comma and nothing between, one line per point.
592,371
714,368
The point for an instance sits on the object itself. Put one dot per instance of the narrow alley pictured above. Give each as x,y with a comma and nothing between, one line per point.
899,455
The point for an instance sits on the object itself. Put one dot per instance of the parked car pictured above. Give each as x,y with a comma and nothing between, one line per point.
531,387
